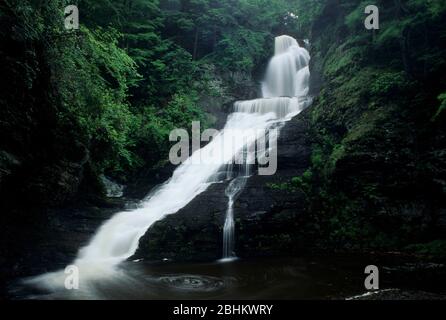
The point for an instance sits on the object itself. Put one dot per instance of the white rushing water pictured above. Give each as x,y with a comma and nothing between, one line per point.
232,191
284,91
288,73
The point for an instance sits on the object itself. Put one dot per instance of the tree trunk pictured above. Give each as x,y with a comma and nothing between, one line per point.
404,42
194,55
214,38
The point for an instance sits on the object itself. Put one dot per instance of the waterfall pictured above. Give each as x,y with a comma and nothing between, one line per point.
287,80
117,239
287,73
234,188
232,191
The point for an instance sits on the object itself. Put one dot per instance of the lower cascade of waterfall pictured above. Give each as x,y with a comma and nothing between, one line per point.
285,92
232,191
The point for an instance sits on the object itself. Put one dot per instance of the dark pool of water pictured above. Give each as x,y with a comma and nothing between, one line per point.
269,278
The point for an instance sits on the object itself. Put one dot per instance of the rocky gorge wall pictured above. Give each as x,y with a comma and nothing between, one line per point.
378,166
362,169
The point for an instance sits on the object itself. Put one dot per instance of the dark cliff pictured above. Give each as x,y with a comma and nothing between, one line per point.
366,163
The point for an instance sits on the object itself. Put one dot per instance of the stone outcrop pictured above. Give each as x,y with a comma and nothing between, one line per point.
267,218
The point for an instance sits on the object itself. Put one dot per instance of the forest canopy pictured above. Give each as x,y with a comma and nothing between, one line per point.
132,72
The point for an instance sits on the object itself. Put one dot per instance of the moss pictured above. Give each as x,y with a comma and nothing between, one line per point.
338,153
366,124
389,82
301,183
343,59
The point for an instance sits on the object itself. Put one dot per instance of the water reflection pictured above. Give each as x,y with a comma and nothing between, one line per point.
278,278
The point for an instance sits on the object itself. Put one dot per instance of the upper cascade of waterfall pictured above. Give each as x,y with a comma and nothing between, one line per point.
281,106
288,73
283,43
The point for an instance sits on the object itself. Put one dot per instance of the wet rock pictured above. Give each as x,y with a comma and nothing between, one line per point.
266,219
193,233
398,294
7,164
112,188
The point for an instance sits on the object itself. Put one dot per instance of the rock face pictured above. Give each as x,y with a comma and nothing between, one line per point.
266,218
379,154
228,87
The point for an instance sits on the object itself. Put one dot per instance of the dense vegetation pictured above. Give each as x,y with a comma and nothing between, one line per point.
102,99
378,176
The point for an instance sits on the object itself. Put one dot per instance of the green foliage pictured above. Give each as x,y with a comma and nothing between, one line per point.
135,69
242,50
172,44
435,249
300,183
389,83
369,120
345,229
153,126
308,11
442,107
355,19
343,59
94,76
220,30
